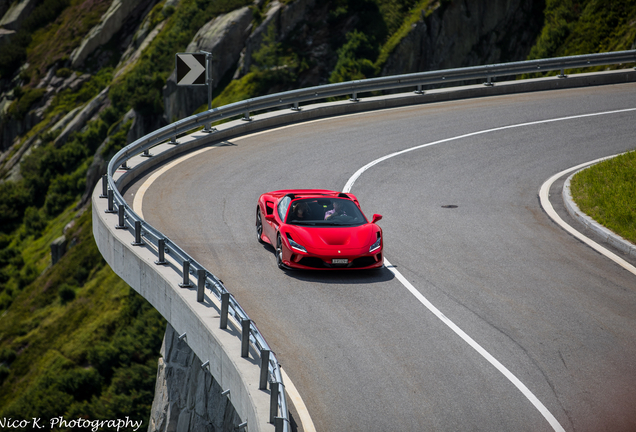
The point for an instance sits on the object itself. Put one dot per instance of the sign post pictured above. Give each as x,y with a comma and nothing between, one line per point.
195,69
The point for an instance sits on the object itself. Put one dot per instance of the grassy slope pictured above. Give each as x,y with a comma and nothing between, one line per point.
606,192
77,340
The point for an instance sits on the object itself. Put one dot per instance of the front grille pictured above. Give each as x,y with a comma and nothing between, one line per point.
314,262
362,262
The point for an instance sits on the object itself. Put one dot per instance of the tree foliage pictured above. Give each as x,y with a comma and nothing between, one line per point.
585,26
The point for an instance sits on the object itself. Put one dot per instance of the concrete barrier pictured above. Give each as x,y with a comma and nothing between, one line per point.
199,321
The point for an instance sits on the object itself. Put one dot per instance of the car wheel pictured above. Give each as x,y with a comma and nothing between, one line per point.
279,253
259,226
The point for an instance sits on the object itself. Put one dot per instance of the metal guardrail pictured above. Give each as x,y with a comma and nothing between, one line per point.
270,369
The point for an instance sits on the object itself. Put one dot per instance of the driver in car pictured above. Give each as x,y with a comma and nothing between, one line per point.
337,210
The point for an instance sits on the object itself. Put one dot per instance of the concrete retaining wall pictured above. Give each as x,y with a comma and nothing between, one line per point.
199,321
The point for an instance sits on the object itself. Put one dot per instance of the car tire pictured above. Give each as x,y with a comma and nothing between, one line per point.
279,253
259,226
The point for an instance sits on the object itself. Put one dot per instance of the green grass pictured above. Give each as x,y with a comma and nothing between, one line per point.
607,193
92,353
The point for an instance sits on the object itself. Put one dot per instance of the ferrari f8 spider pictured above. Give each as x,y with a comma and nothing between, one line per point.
318,229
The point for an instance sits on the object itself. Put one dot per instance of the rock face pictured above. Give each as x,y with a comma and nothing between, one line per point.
284,18
112,21
187,398
224,37
17,13
4,6
468,33
58,249
81,118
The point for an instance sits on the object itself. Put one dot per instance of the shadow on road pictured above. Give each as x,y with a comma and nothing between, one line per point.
352,276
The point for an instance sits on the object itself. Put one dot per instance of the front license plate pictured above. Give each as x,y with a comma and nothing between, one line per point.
340,261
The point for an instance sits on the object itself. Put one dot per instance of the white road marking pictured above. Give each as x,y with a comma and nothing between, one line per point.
544,194
358,173
470,341
305,419
501,368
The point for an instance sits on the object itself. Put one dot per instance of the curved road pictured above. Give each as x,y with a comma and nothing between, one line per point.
363,352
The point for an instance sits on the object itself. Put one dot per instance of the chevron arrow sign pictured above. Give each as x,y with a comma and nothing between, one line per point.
190,69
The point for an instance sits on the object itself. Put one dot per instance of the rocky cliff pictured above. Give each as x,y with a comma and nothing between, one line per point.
187,398
468,33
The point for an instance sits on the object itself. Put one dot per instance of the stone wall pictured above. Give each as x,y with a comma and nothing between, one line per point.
187,397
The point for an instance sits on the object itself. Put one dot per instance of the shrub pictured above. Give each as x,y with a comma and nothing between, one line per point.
268,55
34,223
353,59
14,199
29,97
7,355
168,11
63,72
4,373
66,293
27,274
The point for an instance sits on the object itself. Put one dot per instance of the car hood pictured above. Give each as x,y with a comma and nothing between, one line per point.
330,237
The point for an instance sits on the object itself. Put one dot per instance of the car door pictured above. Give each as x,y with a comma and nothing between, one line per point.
269,225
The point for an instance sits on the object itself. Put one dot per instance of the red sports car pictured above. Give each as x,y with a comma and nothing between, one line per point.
318,229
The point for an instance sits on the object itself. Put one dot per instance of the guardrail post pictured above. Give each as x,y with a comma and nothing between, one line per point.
262,384
111,202
162,252
245,337
121,213
201,274
355,97
104,186
489,83
246,116
186,275
225,304
278,424
173,140
124,166
419,89
146,153
296,107
563,75
137,241
273,401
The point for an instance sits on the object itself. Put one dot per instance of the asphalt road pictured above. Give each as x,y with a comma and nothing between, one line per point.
363,352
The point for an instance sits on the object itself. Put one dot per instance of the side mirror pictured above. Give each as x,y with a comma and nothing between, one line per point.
376,217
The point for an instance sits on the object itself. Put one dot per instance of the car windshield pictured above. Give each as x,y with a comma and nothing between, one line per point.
325,212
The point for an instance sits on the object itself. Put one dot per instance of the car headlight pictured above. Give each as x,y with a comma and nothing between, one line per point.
296,246
376,245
